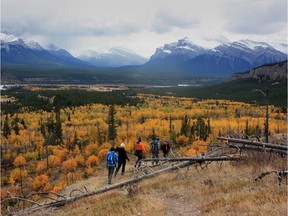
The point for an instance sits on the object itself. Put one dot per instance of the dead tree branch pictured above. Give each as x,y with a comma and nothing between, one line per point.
280,175
252,143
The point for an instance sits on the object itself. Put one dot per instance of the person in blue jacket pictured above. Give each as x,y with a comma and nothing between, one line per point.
111,160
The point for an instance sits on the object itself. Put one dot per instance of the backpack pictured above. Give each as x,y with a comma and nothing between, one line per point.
155,146
110,158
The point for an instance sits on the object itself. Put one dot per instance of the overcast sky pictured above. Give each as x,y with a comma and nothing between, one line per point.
142,26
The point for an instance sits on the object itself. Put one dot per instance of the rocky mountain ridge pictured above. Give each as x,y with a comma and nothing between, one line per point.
271,72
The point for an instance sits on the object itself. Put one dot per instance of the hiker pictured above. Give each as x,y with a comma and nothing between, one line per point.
165,147
111,159
155,149
122,156
139,151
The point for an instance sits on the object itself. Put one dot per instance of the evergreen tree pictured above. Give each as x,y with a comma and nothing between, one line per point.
209,131
6,127
58,126
246,130
69,117
193,131
23,123
201,129
153,135
42,127
99,133
15,125
142,120
112,133
171,131
16,128
185,126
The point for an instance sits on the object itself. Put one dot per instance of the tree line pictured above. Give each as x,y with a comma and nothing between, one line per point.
27,100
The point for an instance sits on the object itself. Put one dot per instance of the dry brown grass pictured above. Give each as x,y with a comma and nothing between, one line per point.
221,189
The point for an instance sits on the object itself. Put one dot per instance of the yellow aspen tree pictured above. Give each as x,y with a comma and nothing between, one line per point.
102,154
20,162
92,161
69,166
41,183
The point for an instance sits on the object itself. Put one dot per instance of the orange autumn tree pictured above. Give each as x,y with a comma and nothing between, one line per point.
68,168
102,154
92,161
20,173
41,183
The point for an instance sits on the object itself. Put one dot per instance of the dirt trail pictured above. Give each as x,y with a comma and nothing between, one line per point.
178,206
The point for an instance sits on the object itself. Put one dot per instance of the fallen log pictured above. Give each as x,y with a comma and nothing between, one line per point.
193,159
262,149
253,143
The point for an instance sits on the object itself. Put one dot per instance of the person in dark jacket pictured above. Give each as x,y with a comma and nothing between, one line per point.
111,159
165,147
122,156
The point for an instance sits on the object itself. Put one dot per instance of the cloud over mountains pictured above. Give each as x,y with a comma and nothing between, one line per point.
142,25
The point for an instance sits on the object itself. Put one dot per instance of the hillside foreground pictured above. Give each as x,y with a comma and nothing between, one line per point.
221,188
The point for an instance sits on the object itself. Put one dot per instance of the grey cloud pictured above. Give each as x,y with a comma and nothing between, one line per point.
57,28
257,17
164,22
123,28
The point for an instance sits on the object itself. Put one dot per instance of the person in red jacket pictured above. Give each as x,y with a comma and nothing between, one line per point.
139,151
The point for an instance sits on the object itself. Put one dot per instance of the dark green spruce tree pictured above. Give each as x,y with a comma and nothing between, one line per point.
185,127
58,127
6,127
112,132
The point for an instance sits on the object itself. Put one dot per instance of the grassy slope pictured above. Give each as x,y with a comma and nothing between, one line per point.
220,189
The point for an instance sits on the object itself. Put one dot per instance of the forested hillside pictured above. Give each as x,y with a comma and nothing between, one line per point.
48,150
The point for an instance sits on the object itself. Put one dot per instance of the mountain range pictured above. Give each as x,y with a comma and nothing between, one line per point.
182,57
16,51
223,60
114,57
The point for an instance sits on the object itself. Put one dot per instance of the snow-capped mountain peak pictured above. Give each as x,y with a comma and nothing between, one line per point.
52,47
7,38
114,57
282,47
254,44
183,47
15,50
34,45
222,40
122,49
